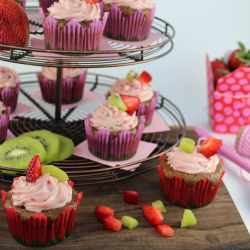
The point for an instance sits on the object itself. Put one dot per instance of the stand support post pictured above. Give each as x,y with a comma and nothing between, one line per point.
58,103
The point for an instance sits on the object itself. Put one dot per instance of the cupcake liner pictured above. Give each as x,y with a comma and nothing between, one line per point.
243,141
71,91
179,193
103,145
135,28
44,4
39,230
73,36
23,3
9,97
4,124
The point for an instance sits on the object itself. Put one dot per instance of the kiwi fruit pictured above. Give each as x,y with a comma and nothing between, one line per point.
66,148
17,153
49,141
54,171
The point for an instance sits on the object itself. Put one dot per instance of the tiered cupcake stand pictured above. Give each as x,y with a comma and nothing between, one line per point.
71,122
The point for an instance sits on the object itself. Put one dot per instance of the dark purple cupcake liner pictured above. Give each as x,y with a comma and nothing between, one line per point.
4,124
71,92
136,28
105,146
73,37
45,4
9,97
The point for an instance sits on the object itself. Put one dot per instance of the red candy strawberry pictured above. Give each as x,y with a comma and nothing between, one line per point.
165,230
112,224
210,147
101,212
93,1
14,24
153,214
34,169
144,78
132,103
218,64
131,197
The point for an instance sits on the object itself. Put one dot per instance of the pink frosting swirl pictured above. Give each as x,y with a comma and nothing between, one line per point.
2,107
192,163
110,117
134,4
44,194
77,9
8,77
50,72
123,86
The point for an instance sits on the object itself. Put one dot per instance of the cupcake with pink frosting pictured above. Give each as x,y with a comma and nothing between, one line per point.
45,4
129,20
73,25
72,87
9,87
4,122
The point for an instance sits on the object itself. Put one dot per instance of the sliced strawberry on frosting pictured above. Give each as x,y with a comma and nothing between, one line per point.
132,103
93,1
34,169
210,147
153,214
144,78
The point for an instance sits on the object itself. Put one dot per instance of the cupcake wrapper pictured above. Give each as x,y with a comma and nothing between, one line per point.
72,37
44,4
39,230
133,29
105,146
23,3
71,92
179,193
9,97
4,124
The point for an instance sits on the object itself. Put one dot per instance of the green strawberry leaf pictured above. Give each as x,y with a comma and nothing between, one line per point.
240,54
242,47
223,71
244,60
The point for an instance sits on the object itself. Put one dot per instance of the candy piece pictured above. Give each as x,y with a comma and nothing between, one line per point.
131,75
188,219
116,100
132,103
153,214
112,224
59,174
210,147
160,205
187,145
129,222
34,169
131,197
101,212
144,78
165,230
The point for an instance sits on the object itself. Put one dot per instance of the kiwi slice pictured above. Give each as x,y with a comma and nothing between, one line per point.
66,148
54,171
17,153
49,141
131,75
116,100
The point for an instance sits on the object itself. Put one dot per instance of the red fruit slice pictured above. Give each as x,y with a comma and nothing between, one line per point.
101,212
153,214
131,197
165,230
112,224
34,169
132,103
210,147
145,78
93,1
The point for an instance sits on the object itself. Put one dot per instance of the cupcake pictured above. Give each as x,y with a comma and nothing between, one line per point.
114,131
4,122
141,87
45,4
72,88
129,20
73,25
190,175
41,209
9,87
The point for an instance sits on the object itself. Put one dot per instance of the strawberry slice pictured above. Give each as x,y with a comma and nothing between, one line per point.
34,169
132,103
93,1
131,197
210,147
112,223
165,230
101,212
153,214
145,78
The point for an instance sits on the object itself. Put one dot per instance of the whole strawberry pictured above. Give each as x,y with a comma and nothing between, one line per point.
218,74
218,64
14,24
235,58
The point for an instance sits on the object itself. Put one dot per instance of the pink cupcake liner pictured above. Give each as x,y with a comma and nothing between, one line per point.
45,4
71,92
243,145
9,97
105,146
72,37
179,193
133,29
39,230
4,125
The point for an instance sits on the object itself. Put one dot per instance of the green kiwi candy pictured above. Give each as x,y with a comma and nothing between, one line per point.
66,148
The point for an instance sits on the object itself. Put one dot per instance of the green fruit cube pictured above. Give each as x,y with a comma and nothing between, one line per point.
188,219
129,222
160,205
116,100
187,145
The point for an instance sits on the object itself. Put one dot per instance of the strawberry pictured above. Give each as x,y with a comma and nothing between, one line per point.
93,1
131,197
222,161
244,65
112,224
210,147
218,74
153,214
101,212
144,78
132,103
165,230
34,169
218,64
14,24
235,59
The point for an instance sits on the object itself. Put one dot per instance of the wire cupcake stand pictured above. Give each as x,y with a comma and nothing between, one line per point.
70,122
